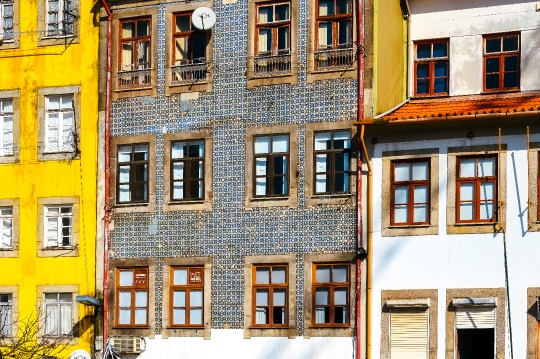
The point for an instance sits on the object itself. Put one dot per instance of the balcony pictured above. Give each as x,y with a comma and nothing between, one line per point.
189,71
134,79
272,65
334,59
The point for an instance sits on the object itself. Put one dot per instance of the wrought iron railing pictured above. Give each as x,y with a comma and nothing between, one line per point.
272,65
334,59
134,79
190,71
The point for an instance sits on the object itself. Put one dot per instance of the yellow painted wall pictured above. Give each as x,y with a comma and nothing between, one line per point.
390,40
29,68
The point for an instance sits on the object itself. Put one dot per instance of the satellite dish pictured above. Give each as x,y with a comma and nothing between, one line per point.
203,18
80,354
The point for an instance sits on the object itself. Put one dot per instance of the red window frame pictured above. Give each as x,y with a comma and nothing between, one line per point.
139,285
191,34
270,287
274,27
135,40
331,286
501,55
410,184
431,62
334,19
195,281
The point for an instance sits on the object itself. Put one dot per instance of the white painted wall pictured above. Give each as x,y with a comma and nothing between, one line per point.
230,344
459,261
465,22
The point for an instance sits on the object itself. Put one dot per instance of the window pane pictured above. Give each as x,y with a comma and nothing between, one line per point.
492,65
279,315
342,140
199,48
322,183
511,43
141,299
196,149
344,6
467,168
326,8
420,213
339,274
280,144
486,210
511,63
322,163
466,211
179,298
280,165
420,194
322,315
178,171
441,68
195,316
401,214
141,153
466,192
261,187
341,182
323,140
261,166
280,185
511,80
128,29
283,38
124,153
325,35
422,86
195,298
141,173
340,315
440,49
124,299
422,71
401,195
340,296
487,167
322,296
279,298
51,297
262,144
423,51
322,274
420,171
262,276
143,28
180,276
261,316
124,316
183,23
487,191
140,316
440,85
141,192
179,316
282,12
126,278
492,81
278,275
261,298
178,149
265,40
402,172
266,14
345,32
341,162
493,45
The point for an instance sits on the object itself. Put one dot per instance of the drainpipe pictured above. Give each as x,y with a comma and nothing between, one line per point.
107,174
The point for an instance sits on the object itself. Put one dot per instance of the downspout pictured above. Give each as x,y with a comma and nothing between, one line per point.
359,114
107,174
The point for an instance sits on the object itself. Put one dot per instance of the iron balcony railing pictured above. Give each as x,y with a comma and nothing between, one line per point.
134,79
272,65
334,59
189,71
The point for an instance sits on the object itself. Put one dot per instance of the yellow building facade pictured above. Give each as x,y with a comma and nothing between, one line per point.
48,164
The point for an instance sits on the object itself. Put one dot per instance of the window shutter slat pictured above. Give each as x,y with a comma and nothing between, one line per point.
408,334
475,318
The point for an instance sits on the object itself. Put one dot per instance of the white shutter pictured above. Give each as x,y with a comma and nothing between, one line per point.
475,318
409,334
7,142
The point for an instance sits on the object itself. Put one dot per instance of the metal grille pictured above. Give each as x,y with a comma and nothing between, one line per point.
127,344
134,79
190,72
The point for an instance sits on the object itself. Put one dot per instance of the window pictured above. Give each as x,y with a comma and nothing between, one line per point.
6,19
477,189
501,62
431,68
186,302
133,173
187,170
60,126
270,295
6,217
271,155
334,34
58,319
409,333
273,38
58,220
132,297
331,295
6,126
6,314
410,193
475,332
331,153
189,55
61,16
135,53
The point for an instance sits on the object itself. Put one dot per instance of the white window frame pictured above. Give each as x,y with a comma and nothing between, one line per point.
61,19
6,314
2,20
66,140
6,220
6,133
57,331
57,241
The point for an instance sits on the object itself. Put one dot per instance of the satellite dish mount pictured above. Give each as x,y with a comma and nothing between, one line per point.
203,18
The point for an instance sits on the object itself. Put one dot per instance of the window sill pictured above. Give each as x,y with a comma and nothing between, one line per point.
128,205
428,97
262,199
57,152
476,224
499,91
131,327
330,196
330,327
179,203
10,249
134,89
57,37
412,226
186,327
59,248
270,327
188,84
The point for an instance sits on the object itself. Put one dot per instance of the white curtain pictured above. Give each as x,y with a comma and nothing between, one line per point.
265,14
127,56
260,315
178,174
326,8
265,40
260,170
51,319
321,180
178,149
6,233
144,55
319,315
181,50
52,140
322,140
6,317
65,319
7,141
67,132
125,195
325,35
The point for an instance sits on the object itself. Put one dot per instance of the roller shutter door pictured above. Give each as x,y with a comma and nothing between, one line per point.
409,334
475,318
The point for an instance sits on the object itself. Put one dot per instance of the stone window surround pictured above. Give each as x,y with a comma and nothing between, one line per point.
57,40
127,14
534,223
249,262
169,331
532,323
313,199
74,289
15,42
292,78
14,291
311,259
432,154
286,201
43,93
169,18
12,252
14,95
318,75
68,251
472,228
194,205
500,317
431,294
150,206
135,263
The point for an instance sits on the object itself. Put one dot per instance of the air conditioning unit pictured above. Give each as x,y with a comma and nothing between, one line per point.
127,345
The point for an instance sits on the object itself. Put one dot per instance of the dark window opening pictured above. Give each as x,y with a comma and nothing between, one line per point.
476,343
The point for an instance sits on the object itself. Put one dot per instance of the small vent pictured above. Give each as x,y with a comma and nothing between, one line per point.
127,344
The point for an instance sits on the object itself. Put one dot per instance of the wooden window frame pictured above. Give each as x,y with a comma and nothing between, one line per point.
270,156
135,40
187,171
187,288
273,26
501,56
476,199
132,181
131,289
411,184
332,286
190,34
334,20
332,172
431,61
271,287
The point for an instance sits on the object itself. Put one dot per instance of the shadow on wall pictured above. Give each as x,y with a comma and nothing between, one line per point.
429,6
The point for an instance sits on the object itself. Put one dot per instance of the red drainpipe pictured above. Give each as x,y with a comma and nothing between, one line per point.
360,115
107,174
